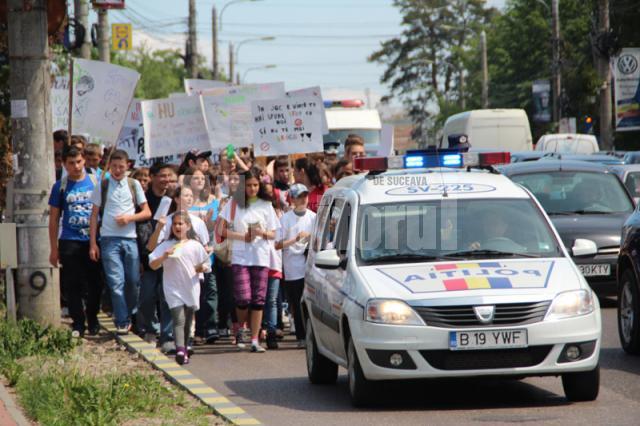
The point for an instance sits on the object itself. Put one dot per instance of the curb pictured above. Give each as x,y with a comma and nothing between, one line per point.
14,412
181,377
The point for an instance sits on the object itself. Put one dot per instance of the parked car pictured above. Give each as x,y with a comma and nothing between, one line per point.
523,156
590,158
568,143
629,174
628,273
586,202
632,157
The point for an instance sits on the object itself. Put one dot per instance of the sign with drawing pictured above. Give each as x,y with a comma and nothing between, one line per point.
287,125
121,37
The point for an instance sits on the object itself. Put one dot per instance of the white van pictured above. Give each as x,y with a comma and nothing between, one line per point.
347,117
503,129
568,143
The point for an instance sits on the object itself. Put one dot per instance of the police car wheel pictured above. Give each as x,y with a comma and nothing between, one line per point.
320,369
629,313
582,386
360,389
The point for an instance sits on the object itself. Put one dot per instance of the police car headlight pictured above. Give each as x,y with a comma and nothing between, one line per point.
392,312
571,304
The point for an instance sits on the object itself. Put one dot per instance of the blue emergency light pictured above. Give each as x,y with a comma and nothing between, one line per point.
419,161
424,159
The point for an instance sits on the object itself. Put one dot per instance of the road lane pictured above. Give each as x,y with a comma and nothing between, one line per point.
273,387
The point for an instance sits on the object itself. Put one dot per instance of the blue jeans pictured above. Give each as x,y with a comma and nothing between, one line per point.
271,304
152,295
121,265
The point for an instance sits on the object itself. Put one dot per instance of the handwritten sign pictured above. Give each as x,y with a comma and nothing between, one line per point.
195,86
131,139
101,96
227,112
173,126
316,93
287,126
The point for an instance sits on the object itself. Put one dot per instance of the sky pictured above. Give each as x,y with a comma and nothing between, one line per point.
317,42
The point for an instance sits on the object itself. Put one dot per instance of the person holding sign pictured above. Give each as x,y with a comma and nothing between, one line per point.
250,221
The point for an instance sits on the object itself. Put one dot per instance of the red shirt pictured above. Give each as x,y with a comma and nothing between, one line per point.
315,196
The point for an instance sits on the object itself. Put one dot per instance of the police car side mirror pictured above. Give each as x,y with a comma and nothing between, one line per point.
328,259
582,247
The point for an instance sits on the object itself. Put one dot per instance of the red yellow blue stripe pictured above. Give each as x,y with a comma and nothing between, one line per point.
476,283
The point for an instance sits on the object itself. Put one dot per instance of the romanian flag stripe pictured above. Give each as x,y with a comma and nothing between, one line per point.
449,266
474,283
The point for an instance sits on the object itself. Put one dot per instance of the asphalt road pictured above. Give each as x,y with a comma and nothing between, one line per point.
273,387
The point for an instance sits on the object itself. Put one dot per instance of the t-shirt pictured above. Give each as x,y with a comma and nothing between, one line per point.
203,211
75,205
198,226
293,258
180,281
256,252
118,202
315,196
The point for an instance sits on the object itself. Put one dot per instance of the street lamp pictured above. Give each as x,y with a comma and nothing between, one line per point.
268,38
264,67
229,4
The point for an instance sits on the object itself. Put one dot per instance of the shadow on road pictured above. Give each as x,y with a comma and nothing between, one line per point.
618,359
297,393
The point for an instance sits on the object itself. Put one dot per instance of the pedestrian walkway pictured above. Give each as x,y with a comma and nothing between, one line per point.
10,414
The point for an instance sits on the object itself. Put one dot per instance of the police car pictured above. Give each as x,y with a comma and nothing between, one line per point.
428,268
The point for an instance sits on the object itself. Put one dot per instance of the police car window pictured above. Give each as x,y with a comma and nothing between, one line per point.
568,192
329,232
321,219
441,228
342,234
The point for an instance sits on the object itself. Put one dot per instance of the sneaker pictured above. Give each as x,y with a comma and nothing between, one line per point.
223,332
168,348
190,351
181,354
257,348
76,334
272,341
186,359
301,344
242,337
149,337
122,331
198,341
212,337
94,329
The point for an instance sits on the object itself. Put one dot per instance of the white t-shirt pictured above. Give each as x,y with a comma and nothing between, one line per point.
198,226
256,252
293,259
180,280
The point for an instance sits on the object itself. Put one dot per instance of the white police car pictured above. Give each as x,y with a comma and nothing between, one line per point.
431,272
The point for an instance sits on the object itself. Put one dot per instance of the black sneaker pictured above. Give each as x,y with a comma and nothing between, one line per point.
94,329
272,341
212,337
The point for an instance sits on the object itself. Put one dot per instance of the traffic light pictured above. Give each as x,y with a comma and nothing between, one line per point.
587,124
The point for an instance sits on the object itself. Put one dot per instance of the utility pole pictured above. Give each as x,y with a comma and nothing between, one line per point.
104,47
192,67
38,286
231,60
463,100
555,66
485,70
214,39
81,11
606,137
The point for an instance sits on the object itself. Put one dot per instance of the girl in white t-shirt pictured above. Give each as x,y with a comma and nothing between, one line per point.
182,258
250,221
297,225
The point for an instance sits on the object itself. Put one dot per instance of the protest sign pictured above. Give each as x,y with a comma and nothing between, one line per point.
173,126
101,96
315,92
194,86
287,126
227,112
131,139
626,67
60,103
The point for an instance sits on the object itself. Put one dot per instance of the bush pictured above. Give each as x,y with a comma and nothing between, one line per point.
28,338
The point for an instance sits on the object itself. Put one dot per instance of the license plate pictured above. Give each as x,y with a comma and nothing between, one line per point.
487,339
595,270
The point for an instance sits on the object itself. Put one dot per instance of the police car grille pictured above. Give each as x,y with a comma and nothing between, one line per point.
486,359
463,316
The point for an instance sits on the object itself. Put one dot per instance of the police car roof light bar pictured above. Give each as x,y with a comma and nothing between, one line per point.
486,159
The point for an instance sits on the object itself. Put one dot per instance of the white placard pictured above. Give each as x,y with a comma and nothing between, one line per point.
173,126
60,103
194,86
101,96
163,208
317,93
287,126
131,139
227,112
386,147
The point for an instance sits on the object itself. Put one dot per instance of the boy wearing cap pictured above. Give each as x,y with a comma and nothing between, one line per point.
297,225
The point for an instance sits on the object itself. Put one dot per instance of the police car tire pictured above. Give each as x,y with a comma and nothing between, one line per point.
582,386
320,369
360,389
631,344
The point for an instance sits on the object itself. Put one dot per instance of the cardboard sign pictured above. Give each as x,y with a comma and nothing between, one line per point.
194,86
227,112
101,96
315,92
131,139
287,126
173,126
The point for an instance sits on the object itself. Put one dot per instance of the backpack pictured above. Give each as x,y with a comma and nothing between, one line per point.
104,189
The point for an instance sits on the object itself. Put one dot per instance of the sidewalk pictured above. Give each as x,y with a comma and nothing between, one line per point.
10,415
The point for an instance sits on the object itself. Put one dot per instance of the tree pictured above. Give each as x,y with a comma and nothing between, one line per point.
424,61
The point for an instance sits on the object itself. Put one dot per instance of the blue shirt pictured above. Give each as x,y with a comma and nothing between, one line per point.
75,205
118,202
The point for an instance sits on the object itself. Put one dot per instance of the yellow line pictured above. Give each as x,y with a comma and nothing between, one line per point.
215,400
190,382
231,410
246,421
178,372
201,389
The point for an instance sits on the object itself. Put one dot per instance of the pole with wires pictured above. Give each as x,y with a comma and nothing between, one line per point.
192,58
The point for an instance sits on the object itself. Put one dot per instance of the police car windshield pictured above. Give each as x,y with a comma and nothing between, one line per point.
570,192
433,230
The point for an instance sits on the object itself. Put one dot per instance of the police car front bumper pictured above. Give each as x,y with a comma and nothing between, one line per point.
429,356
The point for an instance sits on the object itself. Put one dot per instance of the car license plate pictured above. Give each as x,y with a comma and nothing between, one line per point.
598,270
487,339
